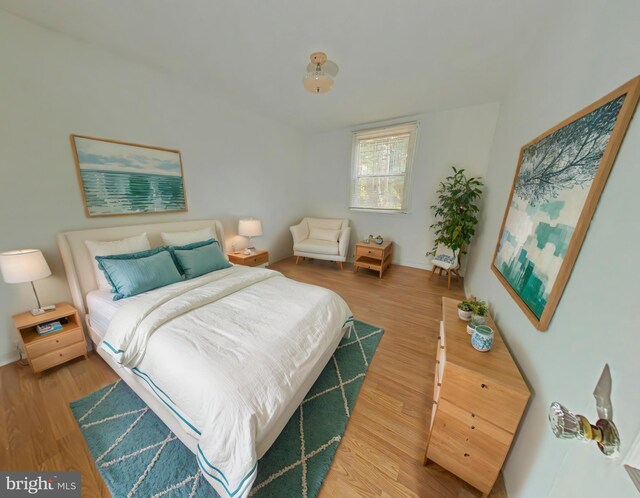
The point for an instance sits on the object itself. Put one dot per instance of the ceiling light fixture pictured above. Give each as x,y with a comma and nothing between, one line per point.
320,73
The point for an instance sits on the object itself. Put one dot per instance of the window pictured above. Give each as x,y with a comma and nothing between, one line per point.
381,168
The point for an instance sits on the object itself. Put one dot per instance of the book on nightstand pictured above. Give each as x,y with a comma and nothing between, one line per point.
47,328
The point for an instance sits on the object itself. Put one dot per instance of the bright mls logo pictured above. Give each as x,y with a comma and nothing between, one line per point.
49,484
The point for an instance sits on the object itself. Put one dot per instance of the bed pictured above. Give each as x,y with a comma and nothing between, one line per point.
224,359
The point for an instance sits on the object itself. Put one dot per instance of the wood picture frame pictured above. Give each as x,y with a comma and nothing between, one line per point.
123,178
558,187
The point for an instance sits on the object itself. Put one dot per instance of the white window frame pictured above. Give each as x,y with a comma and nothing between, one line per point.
379,132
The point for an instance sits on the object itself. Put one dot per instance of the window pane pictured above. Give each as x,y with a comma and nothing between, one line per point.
378,192
383,156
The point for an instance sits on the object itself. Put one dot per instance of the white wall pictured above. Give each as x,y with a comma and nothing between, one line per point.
587,52
460,137
236,163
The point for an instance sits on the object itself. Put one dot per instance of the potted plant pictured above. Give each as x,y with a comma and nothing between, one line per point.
465,310
480,311
456,211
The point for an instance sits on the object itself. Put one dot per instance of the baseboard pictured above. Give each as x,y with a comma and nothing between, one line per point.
7,358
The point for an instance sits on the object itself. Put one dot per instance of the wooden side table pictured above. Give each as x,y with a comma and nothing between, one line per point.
373,256
256,258
46,351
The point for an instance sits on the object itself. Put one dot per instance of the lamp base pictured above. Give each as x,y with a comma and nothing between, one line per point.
43,310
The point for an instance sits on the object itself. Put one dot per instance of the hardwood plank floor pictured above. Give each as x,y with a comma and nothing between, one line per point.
383,447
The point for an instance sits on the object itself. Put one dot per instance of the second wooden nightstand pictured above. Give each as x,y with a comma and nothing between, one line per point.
46,351
373,256
256,258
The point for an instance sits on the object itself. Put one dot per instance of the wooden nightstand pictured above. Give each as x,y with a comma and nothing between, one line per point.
46,351
373,256
256,258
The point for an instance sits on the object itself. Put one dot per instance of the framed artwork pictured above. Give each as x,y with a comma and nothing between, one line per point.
118,178
558,182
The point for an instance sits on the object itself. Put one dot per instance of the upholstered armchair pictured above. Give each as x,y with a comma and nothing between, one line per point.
318,238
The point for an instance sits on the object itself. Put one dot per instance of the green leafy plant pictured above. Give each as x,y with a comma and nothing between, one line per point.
456,211
465,306
479,308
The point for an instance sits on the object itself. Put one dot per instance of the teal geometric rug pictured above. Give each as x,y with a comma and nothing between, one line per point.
138,456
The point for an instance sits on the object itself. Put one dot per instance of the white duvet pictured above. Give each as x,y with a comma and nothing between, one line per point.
226,353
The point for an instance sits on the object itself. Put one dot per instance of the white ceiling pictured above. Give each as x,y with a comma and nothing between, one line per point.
396,58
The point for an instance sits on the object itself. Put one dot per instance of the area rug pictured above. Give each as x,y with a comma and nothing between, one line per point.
138,456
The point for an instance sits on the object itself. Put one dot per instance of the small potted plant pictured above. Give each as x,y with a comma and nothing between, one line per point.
465,310
480,312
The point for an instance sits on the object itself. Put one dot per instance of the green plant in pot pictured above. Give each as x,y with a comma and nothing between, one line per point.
465,310
456,211
480,312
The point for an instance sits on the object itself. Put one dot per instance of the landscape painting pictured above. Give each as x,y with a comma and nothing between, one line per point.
119,178
557,185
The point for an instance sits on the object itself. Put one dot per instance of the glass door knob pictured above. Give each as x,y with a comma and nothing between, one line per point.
566,425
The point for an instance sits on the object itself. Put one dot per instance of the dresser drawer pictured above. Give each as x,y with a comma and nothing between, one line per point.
460,436
369,252
56,341
58,356
483,397
256,260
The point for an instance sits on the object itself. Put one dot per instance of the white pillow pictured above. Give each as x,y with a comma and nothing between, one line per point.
113,247
184,238
324,234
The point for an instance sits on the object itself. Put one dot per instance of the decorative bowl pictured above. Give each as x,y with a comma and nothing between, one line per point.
471,328
482,338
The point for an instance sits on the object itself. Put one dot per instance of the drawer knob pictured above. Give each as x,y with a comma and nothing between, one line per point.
466,454
57,341
60,355
369,252
439,384
473,427
484,386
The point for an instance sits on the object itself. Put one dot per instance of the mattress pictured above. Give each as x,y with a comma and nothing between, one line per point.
102,308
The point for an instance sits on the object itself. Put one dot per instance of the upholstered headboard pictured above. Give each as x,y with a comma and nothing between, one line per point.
77,262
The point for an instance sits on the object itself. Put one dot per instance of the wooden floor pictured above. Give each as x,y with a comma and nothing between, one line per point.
383,447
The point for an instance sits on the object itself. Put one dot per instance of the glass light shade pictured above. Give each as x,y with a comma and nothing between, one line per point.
23,266
250,228
317,82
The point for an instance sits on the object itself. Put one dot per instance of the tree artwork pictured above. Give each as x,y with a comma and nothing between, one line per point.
559,180
569,157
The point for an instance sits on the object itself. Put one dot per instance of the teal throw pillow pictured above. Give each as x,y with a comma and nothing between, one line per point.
134,273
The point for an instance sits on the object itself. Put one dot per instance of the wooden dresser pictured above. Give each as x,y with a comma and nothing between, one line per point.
478,401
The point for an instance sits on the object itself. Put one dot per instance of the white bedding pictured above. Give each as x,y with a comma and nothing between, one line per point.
102,308
226,353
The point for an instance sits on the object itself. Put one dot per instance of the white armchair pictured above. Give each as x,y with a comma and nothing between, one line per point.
318,238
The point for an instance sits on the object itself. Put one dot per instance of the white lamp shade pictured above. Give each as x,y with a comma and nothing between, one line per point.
25,265
250,228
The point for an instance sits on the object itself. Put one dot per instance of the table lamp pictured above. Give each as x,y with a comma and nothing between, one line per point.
249,228
25,265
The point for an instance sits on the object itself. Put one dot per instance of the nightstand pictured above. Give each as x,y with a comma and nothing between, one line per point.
373,256
256,258
46,351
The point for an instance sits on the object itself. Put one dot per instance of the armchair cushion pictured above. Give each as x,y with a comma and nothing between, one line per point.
327,224
314,246
324,234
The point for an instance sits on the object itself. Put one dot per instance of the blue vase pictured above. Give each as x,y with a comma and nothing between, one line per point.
482,338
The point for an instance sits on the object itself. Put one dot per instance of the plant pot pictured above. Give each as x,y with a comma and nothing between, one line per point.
482,338
465,315
479,319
